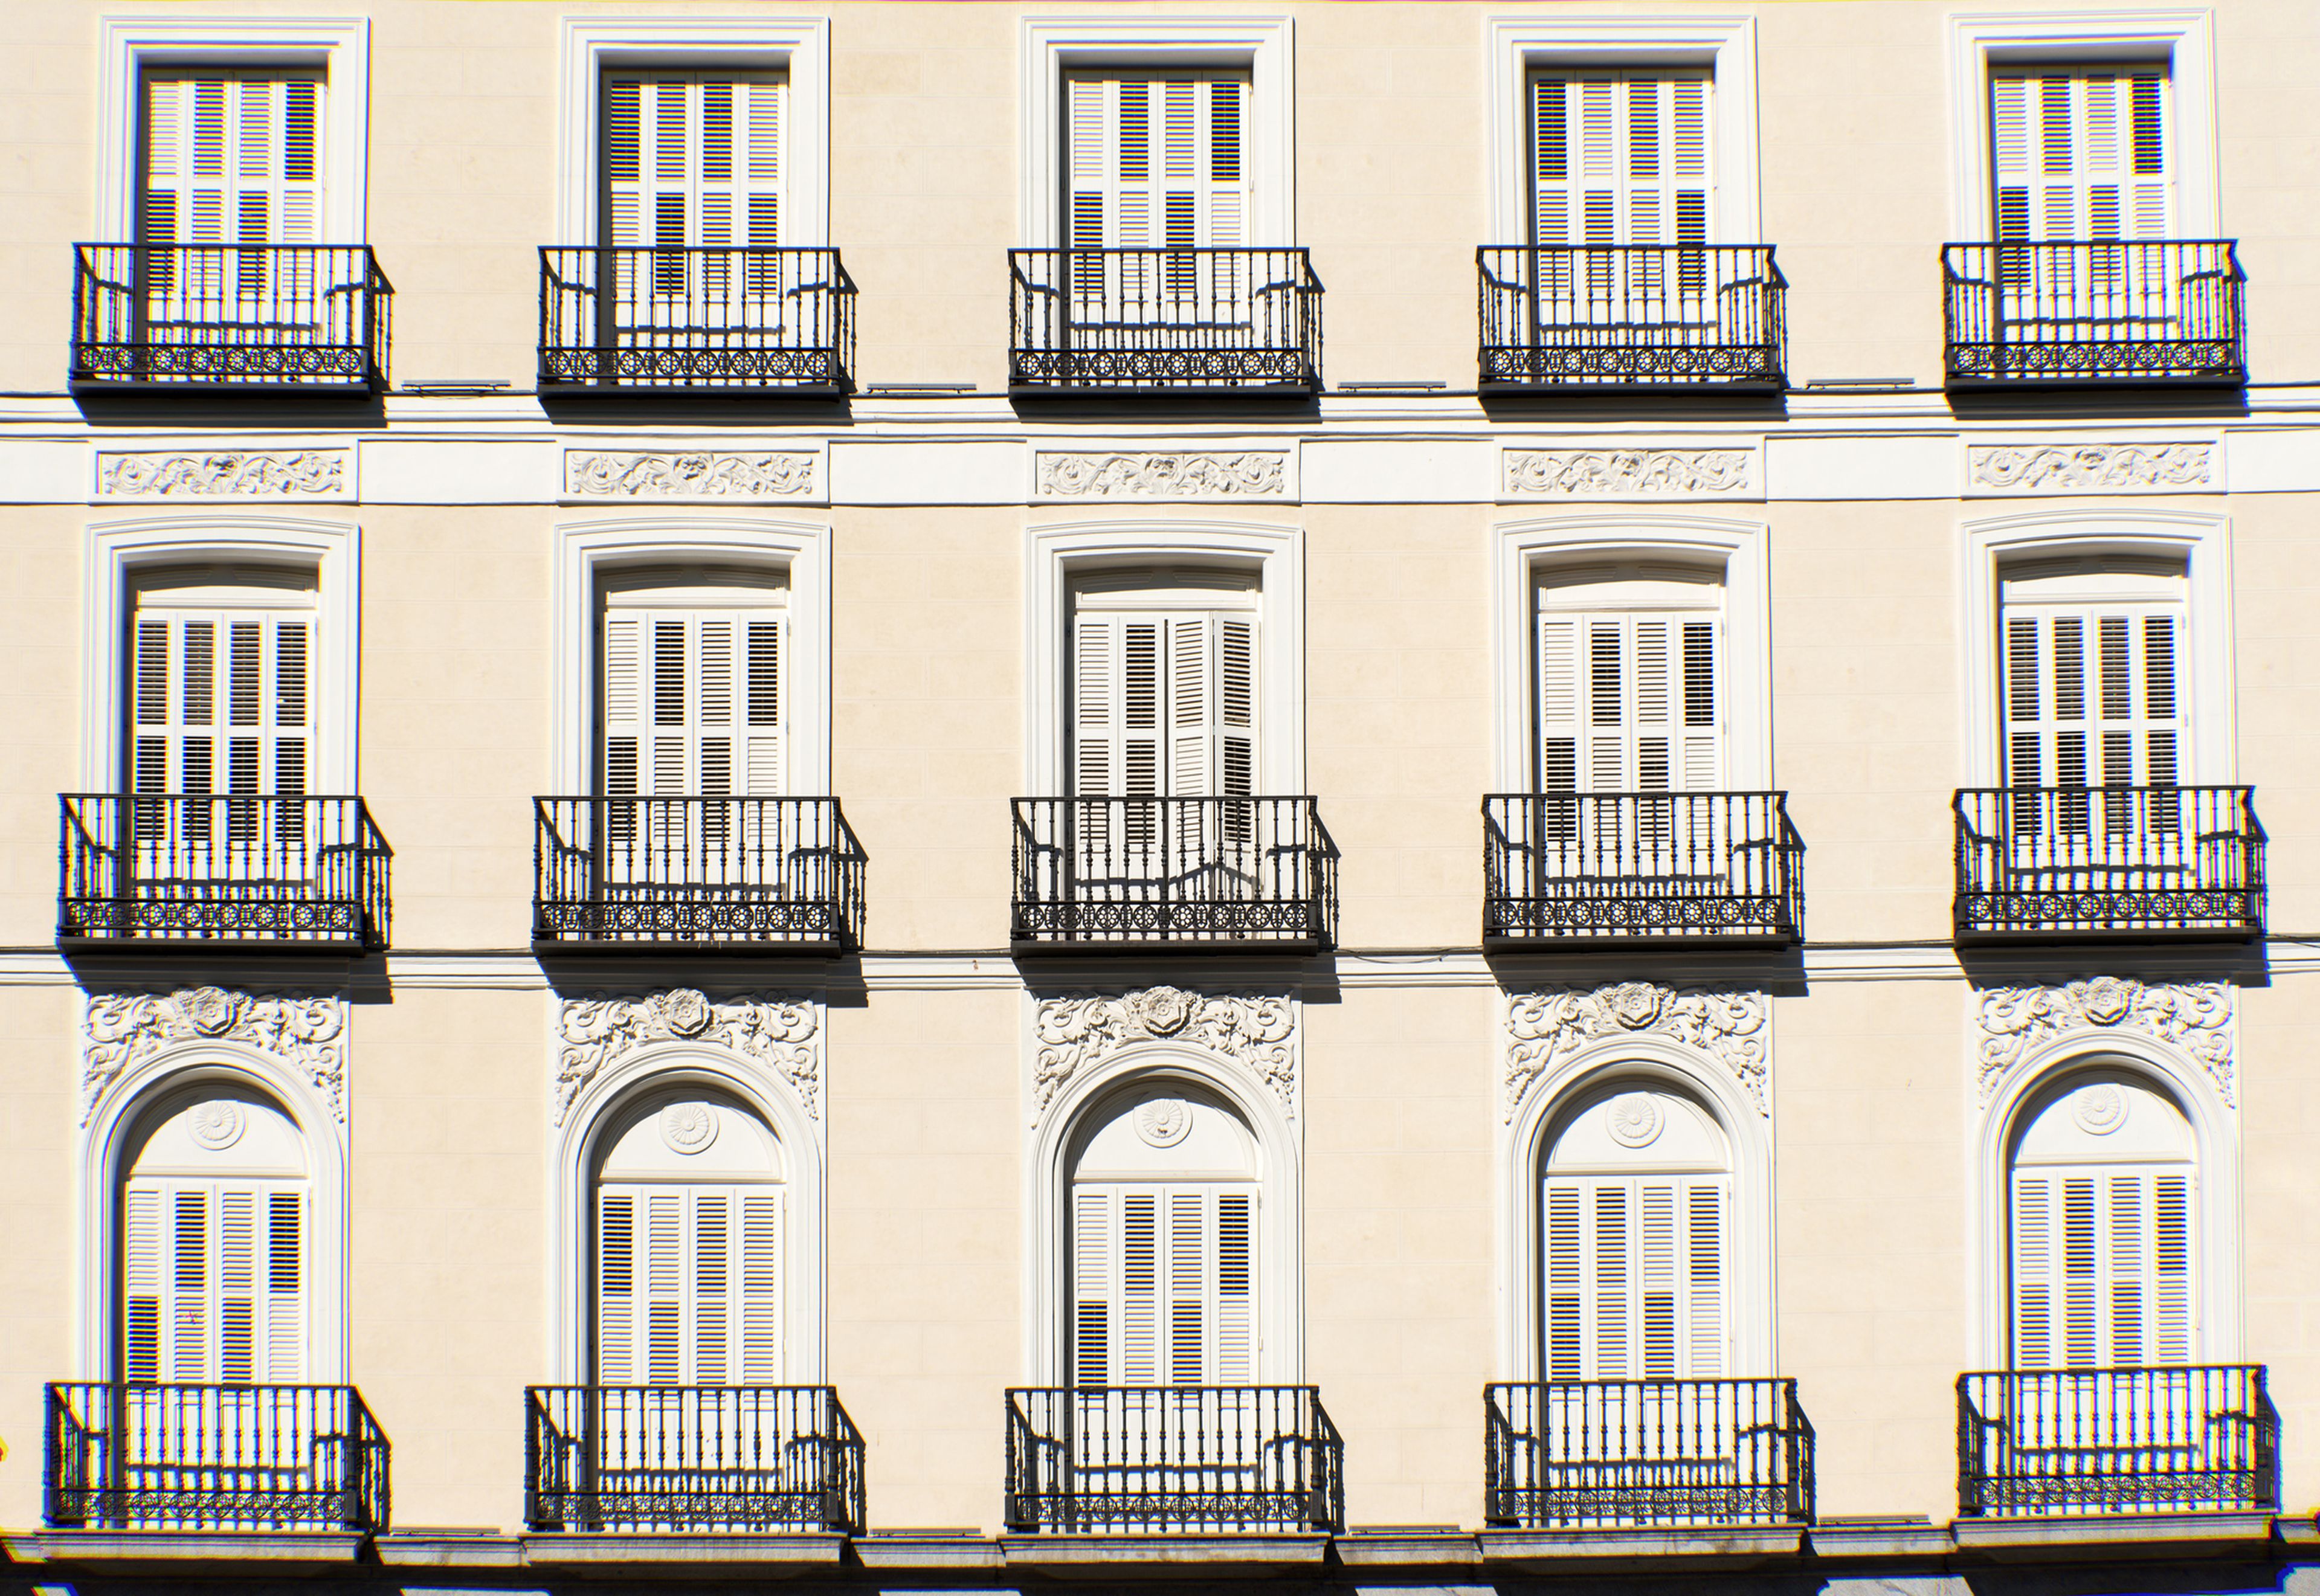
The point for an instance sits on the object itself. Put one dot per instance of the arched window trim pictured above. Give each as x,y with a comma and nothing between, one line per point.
1748,1242
106,1139
2214,1130
576,1150
1280,1205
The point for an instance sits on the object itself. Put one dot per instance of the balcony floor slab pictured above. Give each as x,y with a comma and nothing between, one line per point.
1550,1551
685,1551
1166,1556
2144,1535
281,1550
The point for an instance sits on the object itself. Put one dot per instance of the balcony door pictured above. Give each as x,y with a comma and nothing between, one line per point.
1621,166
1154,160
231,160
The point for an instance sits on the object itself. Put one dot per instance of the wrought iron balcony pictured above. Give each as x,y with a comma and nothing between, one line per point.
1173,1460
1124,321
295,318
1588,1453
753,1459
2142,861
2058,1443
124,1456
2169,310
740,321
1128,874
1564,317
206,869
1638,867
696,873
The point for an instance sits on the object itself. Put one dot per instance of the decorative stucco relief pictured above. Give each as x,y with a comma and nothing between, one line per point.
1726,1027
783,1034
628,475
1628,473
1256,1030
119,1030
306,473
2193,1017
1114,475
2089,467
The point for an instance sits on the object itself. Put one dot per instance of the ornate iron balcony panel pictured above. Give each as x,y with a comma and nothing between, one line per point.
210,870
1641,868
738,321
752,1459
1125,874
124,1456
2100,311
1571,1454
2060,1443
1558,317
1122,322
760,873
2143,862
1173,1460
303,318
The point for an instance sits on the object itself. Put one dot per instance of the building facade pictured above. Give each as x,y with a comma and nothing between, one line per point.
766,821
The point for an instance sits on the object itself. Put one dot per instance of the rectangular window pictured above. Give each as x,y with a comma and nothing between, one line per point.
1620,157
695,162
1163,702
693,697
2081,153
1629,701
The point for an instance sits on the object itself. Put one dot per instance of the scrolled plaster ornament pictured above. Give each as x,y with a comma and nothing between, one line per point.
1255,1029
632,474
306,473
119,1030
2193,1017
1726,1027
2075,467
1628,473
1246,474
780,1034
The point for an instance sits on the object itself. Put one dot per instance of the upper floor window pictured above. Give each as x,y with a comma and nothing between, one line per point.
2081,152
1155,160
1621,157
693,159
1164,685
1629,690
231,156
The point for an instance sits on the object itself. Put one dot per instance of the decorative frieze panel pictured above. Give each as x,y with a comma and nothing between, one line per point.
2193,1017
294,473
1256,1030
1630,473
1726,1027
1120,474
628,474
781,1034
121,1030
2092,468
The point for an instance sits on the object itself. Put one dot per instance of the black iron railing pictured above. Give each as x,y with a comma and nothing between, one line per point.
752,1458
1577,1452
1184,1459
696,871
2140,861
1165,320
1131,872
124,1456
1561,316
207,868
2057,1442
1641,866
313,317
2161,309
734,319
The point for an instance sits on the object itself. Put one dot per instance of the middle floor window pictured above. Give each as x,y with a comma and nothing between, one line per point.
1163,686
1628,694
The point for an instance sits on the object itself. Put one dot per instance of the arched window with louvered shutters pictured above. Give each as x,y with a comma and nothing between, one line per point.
695,162
231,156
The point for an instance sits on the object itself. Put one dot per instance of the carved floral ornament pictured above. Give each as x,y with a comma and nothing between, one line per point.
1255,1030
1249,475
629,475
121,1030
2072,468
312,473
1628,473
780,1034
1724,1027
2193,1017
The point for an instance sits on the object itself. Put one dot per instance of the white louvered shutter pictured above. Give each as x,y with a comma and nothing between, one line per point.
688,1284
1624,158
214,1282
221,702
1629,703
1163,1285
2081,153
1164,705
2091,696
1635,1277
700,161
2102,1267
692,701
230,158
1154,160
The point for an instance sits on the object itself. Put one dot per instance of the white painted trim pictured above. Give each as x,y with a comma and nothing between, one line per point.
2202,542
2184,39
583,548
1522,1147
799,45
104,1144
339,45
119,549
1741,549
1260,43
574,1154
2214,1125
1059,551
1725,45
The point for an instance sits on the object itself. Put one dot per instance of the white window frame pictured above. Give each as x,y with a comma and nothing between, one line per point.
2201,542
1737,550
2183,39
1258,44
338,47
796,45
1725,45
119,552
585,550
1277,556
